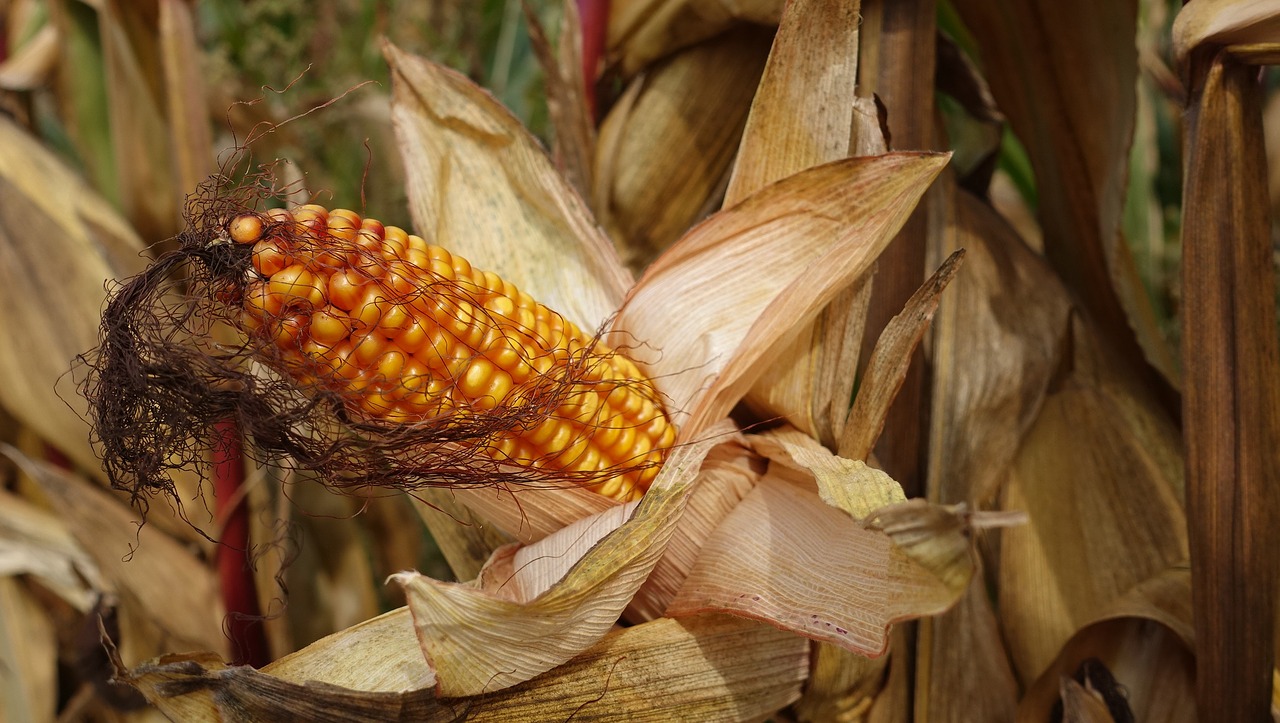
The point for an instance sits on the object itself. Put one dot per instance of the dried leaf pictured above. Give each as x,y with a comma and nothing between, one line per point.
1231,411
464,539
785,557
887,368
642,31
59,243
666,149
703,668
35,542
1100,522
815,231
31,64
480,640
28,656
190,138
1224,22
575,134
960,655
1081,705
169,597
848,485
479,185
1078,140
801,117
379,655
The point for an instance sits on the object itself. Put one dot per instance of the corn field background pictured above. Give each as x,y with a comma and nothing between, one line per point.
1083,406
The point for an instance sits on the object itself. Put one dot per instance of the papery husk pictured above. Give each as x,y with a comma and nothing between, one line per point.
1078,140
890,360
37,543
190,136
503,632
1231,409
379,655
1224,22
996,344
703,668
666,147
802,116
28,655
785,557
168,596
575,134
61,243
131,50
480,186
642,31
1144,640
848,485
30,64
465,539
815,231
1099,474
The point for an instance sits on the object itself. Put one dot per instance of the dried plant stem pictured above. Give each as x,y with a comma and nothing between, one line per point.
235,574
1230,360
903,78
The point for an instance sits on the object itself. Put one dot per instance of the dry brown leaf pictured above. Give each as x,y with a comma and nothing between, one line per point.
30,64
480,185
46,214
481,639
761,563
887,368
665,150
709,668
1083,705
642,31
379,655
1101,521
190,138
28,655
464,539
1078,140
131,53
168,596
802,116
1231,410
37,543
575,134
846,484
815,231
1224,22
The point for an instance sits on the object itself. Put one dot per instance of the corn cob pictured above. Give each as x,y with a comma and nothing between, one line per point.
404,332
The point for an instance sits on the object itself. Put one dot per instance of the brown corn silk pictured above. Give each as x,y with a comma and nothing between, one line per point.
366,354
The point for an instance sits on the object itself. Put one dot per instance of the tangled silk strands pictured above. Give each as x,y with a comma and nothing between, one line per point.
351,350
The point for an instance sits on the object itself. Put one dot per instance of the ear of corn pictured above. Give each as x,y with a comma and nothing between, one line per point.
406,332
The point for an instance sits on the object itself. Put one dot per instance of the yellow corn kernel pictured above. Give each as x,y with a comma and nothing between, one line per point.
409,332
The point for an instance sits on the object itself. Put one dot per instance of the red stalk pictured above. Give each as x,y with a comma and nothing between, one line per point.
235,573
594,18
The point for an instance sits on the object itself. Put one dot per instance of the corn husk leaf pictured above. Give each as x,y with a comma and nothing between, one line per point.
1232,405
1224,22
996,344
848,485
168,596
1078,140
887,367
575,134
131,57
1144,642
28,655
486,638
730,669
31,64
642,31
666,148
815,231
37,543
191,140
802,116
760,563
379,655
480,185
46,212
1100,523
465,539
726,477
